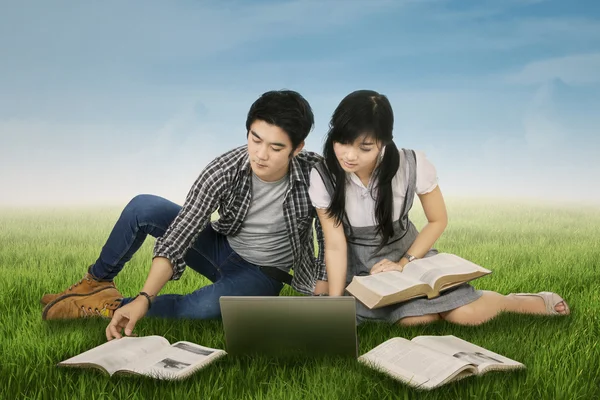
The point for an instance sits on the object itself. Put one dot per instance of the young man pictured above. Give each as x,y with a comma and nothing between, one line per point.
264,229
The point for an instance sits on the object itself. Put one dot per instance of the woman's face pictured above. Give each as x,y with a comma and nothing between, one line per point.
358,157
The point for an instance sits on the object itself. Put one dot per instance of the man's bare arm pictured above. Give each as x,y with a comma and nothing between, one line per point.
126,317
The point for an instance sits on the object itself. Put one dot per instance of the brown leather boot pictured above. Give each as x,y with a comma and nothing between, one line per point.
102,303
87,285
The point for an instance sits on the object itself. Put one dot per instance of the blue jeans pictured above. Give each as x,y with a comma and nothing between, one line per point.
210,256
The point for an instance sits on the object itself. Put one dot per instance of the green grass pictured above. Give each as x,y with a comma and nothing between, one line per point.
530,248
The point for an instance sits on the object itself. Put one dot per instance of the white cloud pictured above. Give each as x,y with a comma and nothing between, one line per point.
541,132
99,104
142,32
504,145
61,164
542,127
547,158
576,69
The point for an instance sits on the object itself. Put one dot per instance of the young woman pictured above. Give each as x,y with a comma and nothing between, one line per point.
363,191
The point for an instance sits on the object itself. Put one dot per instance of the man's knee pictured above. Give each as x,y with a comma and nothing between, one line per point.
148,209
141,204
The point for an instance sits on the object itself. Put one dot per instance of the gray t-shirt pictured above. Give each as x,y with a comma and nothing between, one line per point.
262,238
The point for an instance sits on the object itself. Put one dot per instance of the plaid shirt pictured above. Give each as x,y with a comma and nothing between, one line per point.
226,184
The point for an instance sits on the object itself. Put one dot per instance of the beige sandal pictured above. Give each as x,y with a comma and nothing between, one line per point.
551,300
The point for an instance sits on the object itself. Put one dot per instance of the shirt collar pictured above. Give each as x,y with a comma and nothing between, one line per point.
296,171
246,163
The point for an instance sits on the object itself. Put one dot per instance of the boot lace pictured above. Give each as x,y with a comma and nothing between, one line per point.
89,312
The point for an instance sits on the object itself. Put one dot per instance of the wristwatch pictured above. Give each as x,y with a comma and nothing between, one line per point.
409,257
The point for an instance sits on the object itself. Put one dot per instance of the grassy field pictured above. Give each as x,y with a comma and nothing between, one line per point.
530,248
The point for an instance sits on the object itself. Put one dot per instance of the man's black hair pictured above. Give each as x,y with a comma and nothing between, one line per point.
285,109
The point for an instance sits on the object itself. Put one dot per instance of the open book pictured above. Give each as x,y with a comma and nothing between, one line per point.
427,362
423,277
149,355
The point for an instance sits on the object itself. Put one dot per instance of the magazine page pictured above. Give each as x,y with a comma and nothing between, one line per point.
414,364
483,359
176,361
430,269
117,353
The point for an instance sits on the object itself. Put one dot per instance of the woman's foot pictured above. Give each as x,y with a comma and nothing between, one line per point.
547,303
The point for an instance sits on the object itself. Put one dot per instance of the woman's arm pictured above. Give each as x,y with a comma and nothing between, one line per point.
335,253
437,219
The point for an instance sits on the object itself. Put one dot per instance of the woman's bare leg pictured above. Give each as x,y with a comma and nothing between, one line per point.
420,320
491,304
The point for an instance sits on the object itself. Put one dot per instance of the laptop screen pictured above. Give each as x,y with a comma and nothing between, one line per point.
290,326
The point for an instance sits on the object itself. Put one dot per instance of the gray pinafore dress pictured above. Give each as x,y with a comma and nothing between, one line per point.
362,243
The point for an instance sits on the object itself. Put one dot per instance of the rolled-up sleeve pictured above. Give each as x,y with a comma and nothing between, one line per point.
201,201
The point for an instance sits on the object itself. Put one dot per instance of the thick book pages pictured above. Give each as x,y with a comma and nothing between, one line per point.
423,277
150,356
428,362
413,364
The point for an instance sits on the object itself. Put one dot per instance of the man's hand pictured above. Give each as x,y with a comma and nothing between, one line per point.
321,287
126,317
387,265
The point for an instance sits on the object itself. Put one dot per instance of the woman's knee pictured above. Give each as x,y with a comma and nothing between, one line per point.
465,315
419,320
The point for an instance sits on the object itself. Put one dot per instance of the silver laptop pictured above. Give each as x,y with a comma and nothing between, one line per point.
290,326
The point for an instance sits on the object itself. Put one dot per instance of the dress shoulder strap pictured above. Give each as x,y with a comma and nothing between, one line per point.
326,176
408,158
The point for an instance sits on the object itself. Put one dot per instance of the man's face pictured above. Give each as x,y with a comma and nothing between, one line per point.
270,151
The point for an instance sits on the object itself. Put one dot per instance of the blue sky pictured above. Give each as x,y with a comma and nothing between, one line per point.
100,101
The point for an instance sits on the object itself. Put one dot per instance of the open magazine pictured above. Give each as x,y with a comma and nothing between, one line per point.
426,362
422,277
149,355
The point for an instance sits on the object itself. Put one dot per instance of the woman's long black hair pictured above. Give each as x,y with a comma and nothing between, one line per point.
359,113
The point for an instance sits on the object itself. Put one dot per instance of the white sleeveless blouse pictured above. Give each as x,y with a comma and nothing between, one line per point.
360,205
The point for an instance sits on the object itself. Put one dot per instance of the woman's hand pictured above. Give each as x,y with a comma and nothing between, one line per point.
387,265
